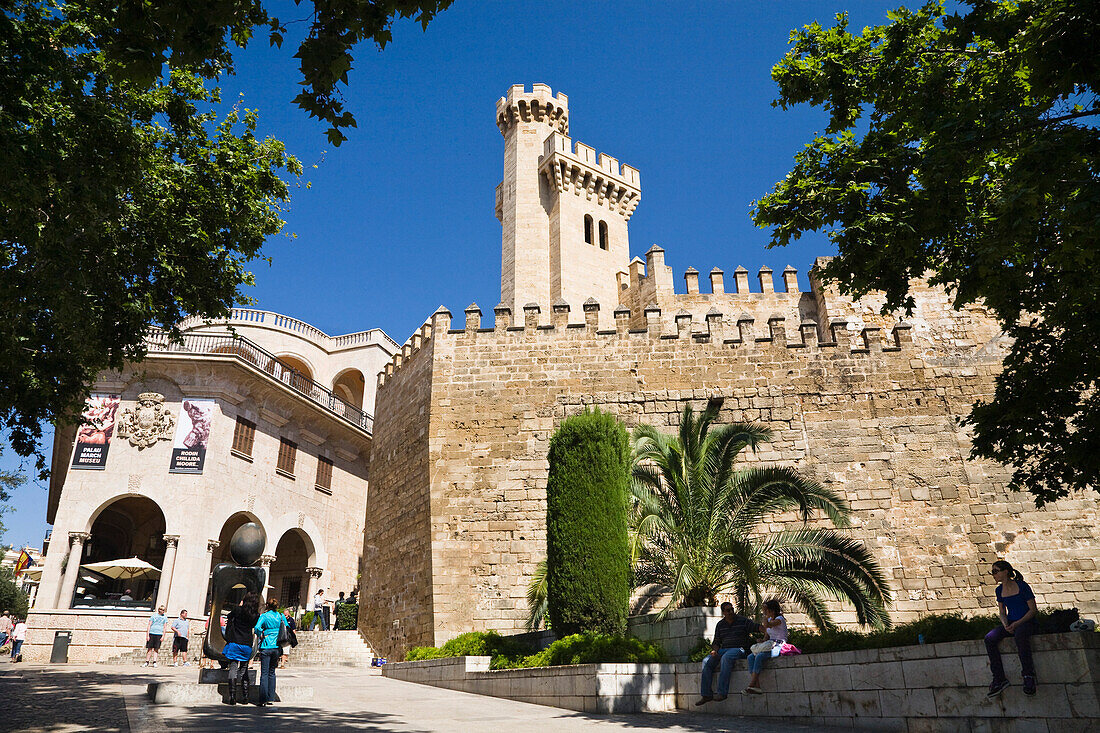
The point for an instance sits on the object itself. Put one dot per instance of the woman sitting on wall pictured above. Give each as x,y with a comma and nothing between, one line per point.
776,627
1016,604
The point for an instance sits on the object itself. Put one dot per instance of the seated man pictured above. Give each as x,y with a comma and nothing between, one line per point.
732,638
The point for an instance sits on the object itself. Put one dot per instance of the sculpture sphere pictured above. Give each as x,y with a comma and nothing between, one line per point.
247,544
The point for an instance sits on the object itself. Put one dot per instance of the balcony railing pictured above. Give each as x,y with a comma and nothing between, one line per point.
242,348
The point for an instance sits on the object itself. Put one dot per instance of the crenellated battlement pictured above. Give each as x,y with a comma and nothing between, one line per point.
537,323
540,105
598,177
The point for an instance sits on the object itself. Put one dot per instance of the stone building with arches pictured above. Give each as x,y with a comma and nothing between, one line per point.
259,418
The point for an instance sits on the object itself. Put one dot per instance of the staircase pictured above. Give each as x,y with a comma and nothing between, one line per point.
330,649
315,649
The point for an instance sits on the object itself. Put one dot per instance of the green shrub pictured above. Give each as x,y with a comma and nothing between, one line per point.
700,651
935,628
307,620
596,648
505,652
509,654
588,557
347,616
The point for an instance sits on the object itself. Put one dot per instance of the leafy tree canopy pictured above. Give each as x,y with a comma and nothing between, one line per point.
964,148
121,206
142,37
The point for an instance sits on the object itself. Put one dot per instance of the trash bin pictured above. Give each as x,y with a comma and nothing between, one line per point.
60,653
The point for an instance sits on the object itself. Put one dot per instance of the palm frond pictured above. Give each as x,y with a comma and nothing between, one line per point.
538,597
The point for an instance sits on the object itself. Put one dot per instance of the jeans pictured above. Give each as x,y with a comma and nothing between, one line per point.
16,648
319,619
756,661
269,660
1023,635
724,661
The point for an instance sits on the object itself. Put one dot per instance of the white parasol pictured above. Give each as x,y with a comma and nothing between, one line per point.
131,568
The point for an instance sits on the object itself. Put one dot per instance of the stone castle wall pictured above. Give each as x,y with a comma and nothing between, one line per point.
871,416
396,598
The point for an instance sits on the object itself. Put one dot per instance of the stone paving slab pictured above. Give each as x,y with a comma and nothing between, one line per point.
70,698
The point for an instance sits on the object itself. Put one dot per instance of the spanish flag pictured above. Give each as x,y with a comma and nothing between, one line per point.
23,562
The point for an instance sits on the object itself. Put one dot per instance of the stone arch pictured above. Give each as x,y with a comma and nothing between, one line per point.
231,524
318,557
127,525
221,554
350,385
287,577
298,363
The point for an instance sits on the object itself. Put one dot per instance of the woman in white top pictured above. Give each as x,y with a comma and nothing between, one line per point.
18,636
776,627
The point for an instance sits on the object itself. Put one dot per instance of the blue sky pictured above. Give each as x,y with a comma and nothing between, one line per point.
399,219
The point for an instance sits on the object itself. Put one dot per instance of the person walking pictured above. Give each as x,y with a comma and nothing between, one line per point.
5,627
238,645
1016,605
732,637
155,634
18,636
336,611
775,626
267,628
319,620
181,627
292,637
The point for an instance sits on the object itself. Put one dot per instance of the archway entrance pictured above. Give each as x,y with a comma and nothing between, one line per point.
129,527
221,554
288,578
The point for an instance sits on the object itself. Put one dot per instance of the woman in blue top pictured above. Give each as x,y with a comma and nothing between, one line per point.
267,628
1016,604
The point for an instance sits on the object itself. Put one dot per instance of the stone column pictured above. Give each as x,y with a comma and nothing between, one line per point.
72,569
265,563
211,545
168,566
314,581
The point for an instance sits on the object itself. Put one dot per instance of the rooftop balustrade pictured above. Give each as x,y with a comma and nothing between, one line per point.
252,353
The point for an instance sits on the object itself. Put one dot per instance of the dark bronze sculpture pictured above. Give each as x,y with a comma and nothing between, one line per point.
245,548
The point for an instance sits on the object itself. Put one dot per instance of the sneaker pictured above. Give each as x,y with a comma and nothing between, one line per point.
753,691
703,700
996,687
1029,685
144,664
154,664
186,664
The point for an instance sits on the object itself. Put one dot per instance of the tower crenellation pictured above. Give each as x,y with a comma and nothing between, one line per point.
563,208
540,105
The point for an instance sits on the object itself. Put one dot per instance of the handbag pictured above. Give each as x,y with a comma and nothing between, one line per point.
293,638
788,650
284,635
762,647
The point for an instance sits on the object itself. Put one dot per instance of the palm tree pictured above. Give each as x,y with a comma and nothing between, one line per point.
695,527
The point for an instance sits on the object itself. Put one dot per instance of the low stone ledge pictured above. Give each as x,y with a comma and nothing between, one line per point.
913,689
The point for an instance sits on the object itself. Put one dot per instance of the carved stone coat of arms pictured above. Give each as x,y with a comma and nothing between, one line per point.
147,422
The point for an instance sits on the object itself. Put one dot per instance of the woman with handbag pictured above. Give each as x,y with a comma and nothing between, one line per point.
272,632
776,627
292,637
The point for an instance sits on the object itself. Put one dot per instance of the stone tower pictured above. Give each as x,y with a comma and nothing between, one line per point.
563,209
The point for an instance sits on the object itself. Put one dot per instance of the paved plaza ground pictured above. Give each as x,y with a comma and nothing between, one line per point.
69,698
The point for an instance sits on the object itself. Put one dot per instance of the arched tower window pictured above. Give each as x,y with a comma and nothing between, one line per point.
588,239
603,235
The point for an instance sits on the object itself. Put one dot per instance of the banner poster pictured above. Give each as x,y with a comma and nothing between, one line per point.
192,436
93,436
